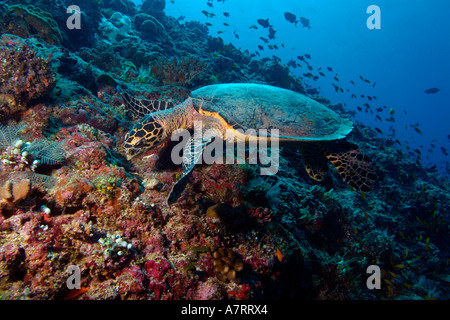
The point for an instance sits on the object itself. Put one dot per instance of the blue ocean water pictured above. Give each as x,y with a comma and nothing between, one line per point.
408,55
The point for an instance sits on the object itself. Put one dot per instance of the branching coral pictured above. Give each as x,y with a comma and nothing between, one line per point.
178,71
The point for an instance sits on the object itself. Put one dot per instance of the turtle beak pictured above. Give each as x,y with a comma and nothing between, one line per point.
131,153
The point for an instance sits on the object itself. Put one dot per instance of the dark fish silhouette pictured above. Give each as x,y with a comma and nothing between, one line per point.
444,151
432,90
264,39
308,56
226,14
271,33
301,58
208,14
292,64
292,18
305,22
260,47
264,23
330,69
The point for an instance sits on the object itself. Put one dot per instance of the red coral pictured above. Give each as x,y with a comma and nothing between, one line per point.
262,215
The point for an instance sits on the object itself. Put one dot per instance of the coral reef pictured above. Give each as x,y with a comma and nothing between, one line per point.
176,71
26,20
68,196
24,75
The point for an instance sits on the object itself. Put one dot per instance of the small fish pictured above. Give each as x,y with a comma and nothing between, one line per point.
271,33
264,23
305,22
264,39
208,14
444,151
391,112
322,74
253,27
330,69
308,56
75,293
417,130
260,47
226,14
292,64
220,31
378,117
432,90
279,255
308,75
366,81
352,82
374,84
209,24
301,58
378,130
292,18
310,68
226,24
337,79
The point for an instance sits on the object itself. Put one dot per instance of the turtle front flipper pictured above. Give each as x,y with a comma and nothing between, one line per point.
210,128
192,153
354,167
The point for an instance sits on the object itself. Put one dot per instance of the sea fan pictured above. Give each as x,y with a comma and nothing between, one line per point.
47,151
9,135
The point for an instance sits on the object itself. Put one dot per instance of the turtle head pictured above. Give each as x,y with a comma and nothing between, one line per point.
145,135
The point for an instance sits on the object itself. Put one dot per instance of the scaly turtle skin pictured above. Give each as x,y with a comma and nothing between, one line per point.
302,122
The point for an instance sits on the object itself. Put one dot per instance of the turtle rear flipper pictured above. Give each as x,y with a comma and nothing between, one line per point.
354,167
314,161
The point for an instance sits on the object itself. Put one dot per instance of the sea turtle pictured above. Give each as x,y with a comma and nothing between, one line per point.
303,123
